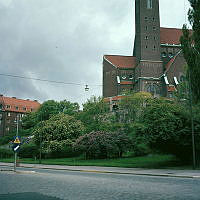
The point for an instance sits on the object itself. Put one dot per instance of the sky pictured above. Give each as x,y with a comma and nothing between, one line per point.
65,40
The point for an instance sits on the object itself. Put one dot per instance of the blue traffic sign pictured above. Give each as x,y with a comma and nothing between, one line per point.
16,147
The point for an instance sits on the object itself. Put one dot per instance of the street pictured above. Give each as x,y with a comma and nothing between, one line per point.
43,184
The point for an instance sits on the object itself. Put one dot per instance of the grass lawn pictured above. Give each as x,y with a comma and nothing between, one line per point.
154,161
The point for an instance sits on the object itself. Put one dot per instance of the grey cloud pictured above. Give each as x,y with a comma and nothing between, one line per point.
61,40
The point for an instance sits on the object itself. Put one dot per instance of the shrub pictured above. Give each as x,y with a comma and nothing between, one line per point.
102,144
166,127
59,149
6,153
28,151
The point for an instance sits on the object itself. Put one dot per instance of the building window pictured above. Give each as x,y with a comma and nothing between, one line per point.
7,129
24,108
146,46
124,77
154,28
154,38
8,114
153,18
8,106
164,54
17,108
154,48
146,18
149,4
31,109
131,77
146,38
146,28
153,89
171,55
1,106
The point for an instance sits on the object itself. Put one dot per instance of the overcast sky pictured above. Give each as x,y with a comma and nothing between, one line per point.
65,40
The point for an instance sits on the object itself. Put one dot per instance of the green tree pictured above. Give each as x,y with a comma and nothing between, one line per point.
96,115
58,134
190,42
47,109
30,120
132,105
68,108
165,126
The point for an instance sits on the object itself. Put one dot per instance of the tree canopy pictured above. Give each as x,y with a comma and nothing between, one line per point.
190,42
58,133
166,127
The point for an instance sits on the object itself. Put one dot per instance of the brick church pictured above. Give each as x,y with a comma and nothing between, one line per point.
157,65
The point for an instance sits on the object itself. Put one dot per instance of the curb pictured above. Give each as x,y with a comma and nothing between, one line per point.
103,172
25,172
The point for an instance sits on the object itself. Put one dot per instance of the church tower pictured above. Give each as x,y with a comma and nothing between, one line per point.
149,67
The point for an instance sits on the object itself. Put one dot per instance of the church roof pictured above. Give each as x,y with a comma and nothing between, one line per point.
13,104
172,60
170,35
114,98
126,62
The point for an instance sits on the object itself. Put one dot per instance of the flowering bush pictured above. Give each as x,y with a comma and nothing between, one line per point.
102,144
58,134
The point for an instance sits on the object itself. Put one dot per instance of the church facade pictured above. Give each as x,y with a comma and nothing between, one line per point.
157,64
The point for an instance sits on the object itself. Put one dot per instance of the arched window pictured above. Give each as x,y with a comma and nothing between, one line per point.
164,54
149,4
170,55
153,89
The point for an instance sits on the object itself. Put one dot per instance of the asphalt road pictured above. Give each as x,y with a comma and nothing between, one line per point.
57,184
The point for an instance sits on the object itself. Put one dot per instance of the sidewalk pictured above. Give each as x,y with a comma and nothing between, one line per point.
115,170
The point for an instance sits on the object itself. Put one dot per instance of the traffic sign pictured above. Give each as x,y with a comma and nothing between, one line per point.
15,147
17,140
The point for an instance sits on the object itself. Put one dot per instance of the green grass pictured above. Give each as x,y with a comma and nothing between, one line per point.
154,161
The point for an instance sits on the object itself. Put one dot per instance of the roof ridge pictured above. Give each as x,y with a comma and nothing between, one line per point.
172,60
28,100
120,55
171,28
110,62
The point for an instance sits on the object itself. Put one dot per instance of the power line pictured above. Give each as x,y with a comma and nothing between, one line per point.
43,80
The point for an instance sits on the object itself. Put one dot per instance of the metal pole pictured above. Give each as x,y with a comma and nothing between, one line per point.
40,159
40,156
17,125
192,123
15,162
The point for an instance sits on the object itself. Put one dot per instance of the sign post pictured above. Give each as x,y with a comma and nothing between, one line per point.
16,147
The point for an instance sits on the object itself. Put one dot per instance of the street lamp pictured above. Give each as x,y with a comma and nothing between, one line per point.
192,122
86,88
17,134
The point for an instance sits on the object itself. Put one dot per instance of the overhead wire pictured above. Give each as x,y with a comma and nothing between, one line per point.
44,80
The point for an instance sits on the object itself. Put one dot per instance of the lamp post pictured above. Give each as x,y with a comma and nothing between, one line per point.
40,156
86,88
40,151
17,134
192,122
